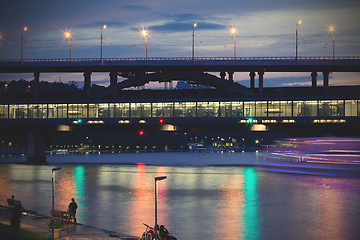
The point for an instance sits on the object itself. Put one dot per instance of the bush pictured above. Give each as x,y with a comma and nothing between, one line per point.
57,224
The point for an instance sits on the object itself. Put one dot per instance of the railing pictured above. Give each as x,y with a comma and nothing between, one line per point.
180,59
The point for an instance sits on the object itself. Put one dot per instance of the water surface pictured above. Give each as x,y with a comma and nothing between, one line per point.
196,201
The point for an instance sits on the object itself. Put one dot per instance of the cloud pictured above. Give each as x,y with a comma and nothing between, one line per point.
136,8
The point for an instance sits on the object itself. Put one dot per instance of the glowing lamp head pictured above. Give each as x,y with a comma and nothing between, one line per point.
25,29
144,33
299,22
331,28
195,25
67,35
233,30
104,27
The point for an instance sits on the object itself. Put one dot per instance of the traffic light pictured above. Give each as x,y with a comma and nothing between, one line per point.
141,132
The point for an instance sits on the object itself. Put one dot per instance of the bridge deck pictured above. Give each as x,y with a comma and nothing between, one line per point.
206,64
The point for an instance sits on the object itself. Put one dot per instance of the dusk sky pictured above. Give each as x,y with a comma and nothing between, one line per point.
264,28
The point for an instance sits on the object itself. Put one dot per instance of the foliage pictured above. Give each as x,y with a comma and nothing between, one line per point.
57,224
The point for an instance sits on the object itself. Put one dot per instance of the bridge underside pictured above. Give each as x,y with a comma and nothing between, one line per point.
196,78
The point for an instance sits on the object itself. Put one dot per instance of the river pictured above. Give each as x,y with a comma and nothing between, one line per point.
238,198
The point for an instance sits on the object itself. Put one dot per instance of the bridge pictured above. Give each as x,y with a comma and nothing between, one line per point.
136,72
246,109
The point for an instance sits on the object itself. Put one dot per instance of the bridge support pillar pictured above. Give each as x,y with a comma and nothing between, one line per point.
36,85
261,82
113,78
326,82
252,80
36,148
313,79
87,84
231,76
222,75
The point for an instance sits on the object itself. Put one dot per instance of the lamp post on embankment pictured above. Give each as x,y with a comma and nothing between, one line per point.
53,197
157,179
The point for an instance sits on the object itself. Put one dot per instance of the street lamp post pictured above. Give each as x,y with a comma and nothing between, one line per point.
144,34
22,33
53,197
156,225
332,30
233,32
297,37
104,27
68,37
193,41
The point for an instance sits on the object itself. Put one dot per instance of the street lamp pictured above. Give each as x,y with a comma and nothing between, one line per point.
297,37
331,29
22,32
104,27
144,33
193,40
68,37
233,32
156,226
52,206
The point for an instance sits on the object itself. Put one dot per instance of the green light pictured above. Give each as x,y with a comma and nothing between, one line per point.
80,187
250,120
251,216
79,121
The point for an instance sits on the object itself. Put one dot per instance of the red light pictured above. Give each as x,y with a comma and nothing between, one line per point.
141,132
161,121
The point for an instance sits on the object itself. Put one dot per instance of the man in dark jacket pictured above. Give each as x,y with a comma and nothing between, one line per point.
72,210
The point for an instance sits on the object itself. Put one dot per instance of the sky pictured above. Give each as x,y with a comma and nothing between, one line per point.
264,28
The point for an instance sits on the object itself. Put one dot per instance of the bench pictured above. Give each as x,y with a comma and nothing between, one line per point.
62,215
12,203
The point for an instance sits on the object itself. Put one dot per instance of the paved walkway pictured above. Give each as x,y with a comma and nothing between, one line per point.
39,224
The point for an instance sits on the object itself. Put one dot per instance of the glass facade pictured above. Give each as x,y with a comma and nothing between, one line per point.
140,110
185,109
229,109
331,108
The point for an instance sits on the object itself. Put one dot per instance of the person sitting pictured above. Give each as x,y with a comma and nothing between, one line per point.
163,233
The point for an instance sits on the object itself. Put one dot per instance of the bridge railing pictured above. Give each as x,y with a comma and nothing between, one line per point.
179,59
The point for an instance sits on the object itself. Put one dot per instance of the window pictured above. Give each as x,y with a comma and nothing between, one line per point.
4,111
162,109
140,110
331,108
207,109
185,109
305,108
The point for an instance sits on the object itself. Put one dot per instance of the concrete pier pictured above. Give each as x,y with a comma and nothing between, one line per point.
87,84
36,148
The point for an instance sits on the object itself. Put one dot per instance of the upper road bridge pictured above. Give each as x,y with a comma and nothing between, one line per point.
135,72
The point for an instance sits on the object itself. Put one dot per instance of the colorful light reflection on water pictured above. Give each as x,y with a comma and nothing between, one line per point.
198,202
331,150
